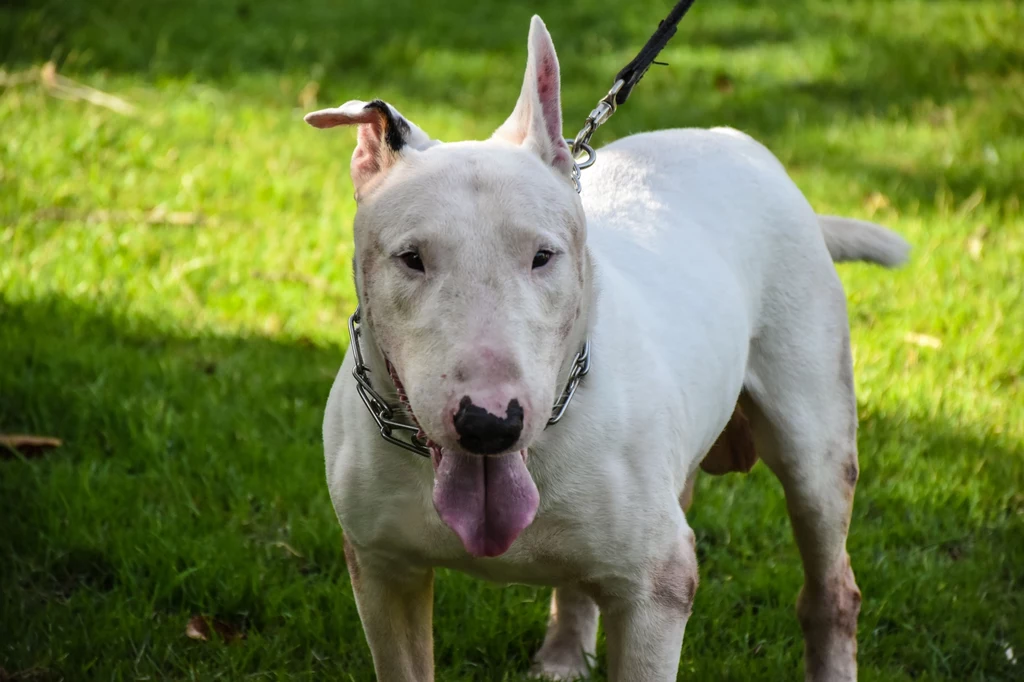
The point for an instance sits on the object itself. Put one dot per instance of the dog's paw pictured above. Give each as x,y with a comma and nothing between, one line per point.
560,667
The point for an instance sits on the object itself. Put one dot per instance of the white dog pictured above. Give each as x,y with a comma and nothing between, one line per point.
694,281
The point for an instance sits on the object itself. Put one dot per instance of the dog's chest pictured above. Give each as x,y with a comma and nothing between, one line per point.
556,549
524,567
532,563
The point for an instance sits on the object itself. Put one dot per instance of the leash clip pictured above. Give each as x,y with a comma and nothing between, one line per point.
624,82
581,143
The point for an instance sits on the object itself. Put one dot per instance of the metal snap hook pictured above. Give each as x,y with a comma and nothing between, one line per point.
590,155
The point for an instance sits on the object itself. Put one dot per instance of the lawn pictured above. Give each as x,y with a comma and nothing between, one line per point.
174,285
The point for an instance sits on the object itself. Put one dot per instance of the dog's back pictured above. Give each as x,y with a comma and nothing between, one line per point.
694,224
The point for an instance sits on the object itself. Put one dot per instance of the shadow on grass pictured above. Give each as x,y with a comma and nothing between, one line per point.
818,68
351,47
191,480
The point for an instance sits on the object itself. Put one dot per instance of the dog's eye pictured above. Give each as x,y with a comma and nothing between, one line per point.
412,260
541,258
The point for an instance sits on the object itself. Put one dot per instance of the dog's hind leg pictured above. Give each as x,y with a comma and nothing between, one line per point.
800,400
571,639
396,608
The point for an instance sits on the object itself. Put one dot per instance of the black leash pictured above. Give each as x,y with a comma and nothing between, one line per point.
625,79
635,70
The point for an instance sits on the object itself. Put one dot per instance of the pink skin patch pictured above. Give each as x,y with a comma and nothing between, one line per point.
487,501
548,94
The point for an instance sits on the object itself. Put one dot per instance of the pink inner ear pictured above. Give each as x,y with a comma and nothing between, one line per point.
370,159
536,121
545,67
366,157
547,93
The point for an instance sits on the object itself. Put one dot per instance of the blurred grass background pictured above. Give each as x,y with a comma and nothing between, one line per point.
174,284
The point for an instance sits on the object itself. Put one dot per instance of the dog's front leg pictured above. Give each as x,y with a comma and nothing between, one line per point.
645,632
396,608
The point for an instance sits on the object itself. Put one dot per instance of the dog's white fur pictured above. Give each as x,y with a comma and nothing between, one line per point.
702,276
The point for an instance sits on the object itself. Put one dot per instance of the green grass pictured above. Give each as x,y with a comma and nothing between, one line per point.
186,366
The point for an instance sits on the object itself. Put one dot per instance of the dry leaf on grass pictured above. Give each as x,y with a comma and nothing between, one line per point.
876,201
29,446
285,546
10,80
161,216
922,340
65,88
317,283
723,83
27,675
155,216
976,242
227,631
198,627
307,96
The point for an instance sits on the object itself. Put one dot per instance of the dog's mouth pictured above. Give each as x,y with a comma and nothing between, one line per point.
487,500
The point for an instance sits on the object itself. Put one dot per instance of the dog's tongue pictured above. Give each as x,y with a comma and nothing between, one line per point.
487,501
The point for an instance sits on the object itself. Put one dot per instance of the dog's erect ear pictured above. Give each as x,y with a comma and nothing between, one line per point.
536,122
383,135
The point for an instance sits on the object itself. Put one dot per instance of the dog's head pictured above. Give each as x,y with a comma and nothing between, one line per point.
470,261
471,267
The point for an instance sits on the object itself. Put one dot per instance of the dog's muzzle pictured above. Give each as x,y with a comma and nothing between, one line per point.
388,423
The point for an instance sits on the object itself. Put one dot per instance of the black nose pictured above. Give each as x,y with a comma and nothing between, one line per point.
483,433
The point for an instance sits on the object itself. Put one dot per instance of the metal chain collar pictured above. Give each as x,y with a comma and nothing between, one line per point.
384,414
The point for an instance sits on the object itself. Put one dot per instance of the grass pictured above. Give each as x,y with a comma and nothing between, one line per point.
186,365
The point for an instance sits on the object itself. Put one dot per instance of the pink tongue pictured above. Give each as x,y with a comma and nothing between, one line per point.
487,501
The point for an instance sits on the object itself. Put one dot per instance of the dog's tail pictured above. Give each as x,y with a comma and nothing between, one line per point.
851,239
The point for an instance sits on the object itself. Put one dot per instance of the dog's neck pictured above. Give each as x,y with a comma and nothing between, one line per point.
583,327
